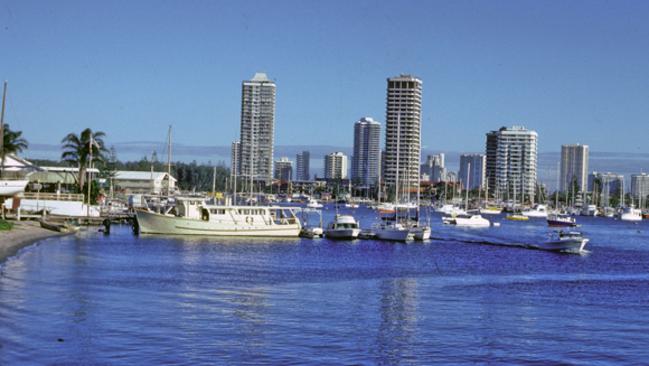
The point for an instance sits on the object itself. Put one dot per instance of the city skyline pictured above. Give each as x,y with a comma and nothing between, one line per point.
125,79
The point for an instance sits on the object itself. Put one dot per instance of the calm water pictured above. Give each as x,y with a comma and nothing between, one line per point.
121,299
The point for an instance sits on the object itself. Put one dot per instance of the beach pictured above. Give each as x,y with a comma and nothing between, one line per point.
23,234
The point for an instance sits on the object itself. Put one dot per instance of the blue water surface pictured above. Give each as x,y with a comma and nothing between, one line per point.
125,299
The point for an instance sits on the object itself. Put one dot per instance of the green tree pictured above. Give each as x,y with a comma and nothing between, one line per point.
78,148
12,143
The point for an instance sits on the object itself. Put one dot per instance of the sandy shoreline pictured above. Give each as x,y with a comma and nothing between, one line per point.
23,234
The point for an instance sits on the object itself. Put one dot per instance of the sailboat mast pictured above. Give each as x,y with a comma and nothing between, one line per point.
169,162
468,179
2,126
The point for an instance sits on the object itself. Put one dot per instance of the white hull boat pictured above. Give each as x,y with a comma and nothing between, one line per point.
539,211
450,210
193,217
343,227
10,187
470,221
314,204
631,214
421,233
568,242
393,232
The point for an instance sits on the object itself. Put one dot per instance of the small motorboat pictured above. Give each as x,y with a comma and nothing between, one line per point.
491,210
539,211
313,203
568,241
311,232
631,214
421,232
517,217
63,227
343,227
367,234
558,220
468,221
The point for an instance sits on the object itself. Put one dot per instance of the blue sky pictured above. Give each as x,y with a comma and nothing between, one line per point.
575,71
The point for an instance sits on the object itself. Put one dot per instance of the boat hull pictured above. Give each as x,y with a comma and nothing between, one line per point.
342,234
570,245
394,235
12,187
154,223
421,233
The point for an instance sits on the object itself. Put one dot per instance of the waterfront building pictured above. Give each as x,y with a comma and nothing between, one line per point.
574,166
640,187
367,152
475,164
434,168
257,127
283,169
235,159
605,185
302,163
143,182
511,162
403,131
335,166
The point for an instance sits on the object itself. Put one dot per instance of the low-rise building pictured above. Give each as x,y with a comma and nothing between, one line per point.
142,182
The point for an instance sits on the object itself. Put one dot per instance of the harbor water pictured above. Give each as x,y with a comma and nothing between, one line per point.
465,296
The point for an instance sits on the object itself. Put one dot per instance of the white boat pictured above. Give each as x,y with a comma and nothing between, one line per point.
450,210
539,211
313,203
491,210
589,210
421,232
631,214
469,221
343,227
567,242
393,231
312,232
193,217
11,187
351,205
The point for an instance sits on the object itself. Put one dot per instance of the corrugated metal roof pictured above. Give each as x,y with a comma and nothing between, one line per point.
140,175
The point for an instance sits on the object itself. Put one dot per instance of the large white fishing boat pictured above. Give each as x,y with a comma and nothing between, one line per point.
468,221
192,216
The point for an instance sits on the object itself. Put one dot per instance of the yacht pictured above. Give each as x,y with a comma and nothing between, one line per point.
631,214
539,211
558,220
192,216
469,221
343,227
572,241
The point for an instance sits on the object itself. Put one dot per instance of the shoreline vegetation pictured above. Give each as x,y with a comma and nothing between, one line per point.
23,234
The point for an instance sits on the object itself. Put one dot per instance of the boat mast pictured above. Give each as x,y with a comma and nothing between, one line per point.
468,179
169,162
556,194
2,126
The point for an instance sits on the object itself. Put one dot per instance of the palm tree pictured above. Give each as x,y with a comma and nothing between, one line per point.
13,143
78,148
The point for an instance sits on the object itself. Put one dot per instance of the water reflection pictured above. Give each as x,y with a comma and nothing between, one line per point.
398,320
